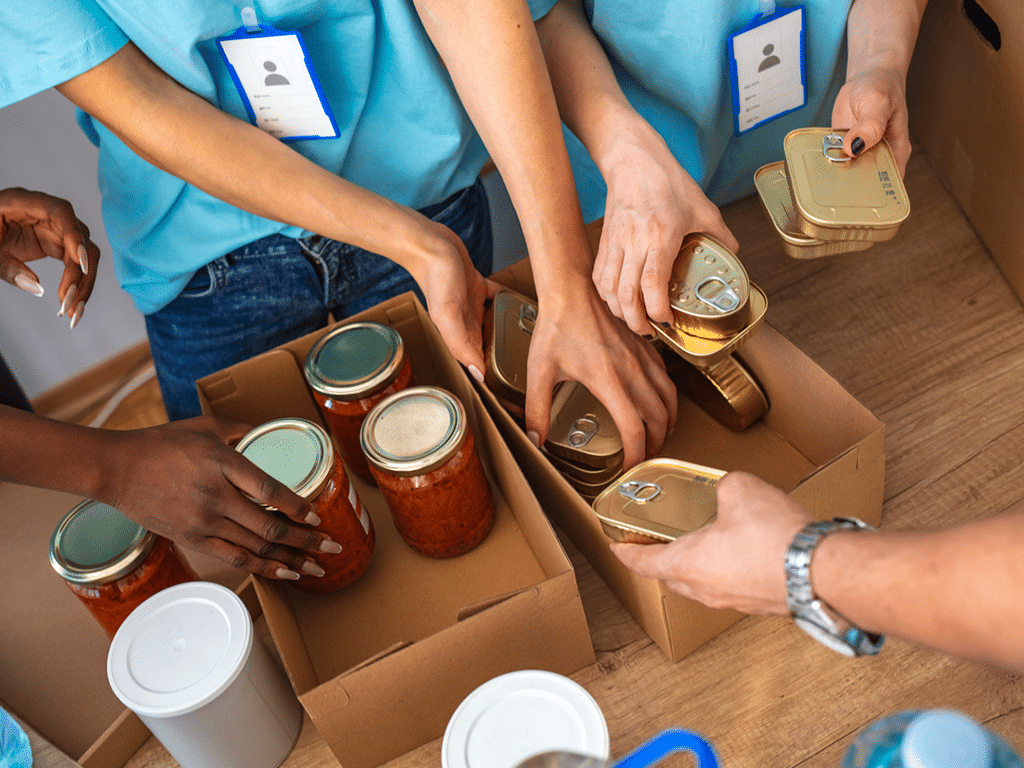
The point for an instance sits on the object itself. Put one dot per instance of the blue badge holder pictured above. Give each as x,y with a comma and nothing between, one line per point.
667,742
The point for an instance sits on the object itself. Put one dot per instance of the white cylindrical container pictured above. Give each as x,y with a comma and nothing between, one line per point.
188,663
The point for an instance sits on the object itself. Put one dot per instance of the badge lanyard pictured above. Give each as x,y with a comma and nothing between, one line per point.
768,66
276,80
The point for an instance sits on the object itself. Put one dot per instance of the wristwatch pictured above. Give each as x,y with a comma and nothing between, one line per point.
812,615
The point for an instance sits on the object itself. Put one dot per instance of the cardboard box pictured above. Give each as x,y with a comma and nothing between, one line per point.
965,93
381,665
816,442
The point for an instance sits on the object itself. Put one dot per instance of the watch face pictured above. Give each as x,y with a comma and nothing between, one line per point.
825,637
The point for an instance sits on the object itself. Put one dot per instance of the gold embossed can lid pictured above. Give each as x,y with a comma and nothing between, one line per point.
659,500
839,198
582,431
709,289
773,189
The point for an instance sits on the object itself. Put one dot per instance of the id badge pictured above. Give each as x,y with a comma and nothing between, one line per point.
276,80
768,68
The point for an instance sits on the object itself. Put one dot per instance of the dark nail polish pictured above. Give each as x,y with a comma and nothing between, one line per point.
857,146
649,336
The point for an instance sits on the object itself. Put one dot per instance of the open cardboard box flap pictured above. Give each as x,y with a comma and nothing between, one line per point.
816,442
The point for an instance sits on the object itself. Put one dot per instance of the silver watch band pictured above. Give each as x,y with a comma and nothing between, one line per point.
813,615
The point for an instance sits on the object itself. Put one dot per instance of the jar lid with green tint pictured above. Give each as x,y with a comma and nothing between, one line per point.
414,431
294,452
95,543
355,360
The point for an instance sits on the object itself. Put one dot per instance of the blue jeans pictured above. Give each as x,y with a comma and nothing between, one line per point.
279,288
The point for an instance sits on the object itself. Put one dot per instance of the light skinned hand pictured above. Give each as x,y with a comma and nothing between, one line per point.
35,225
184,481
576,338
738,561
873,105
652,204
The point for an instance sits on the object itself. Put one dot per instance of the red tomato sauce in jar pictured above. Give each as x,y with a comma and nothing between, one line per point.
351,369
421,451
299,454
112,564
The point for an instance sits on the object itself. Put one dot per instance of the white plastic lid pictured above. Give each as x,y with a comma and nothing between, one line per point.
515,716
180,649
945,739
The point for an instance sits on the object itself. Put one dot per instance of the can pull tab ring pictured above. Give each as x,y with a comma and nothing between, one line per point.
582,430
724,299
833,142
640,491
527,317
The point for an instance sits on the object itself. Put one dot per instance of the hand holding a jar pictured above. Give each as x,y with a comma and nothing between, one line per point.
35,225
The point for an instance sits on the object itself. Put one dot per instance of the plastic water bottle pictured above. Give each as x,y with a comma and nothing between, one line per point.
929,739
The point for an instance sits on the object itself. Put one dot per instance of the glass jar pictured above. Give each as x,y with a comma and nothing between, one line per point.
350,370
421,451
299,454
112,564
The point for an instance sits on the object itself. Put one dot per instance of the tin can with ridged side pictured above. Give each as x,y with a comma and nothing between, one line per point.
508,330
708,289
840,198
582,431
727,390
773,188
658,501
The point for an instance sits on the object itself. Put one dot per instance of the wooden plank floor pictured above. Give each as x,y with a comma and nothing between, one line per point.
926,333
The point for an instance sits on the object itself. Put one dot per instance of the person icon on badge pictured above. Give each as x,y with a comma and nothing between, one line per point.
769,62
275,79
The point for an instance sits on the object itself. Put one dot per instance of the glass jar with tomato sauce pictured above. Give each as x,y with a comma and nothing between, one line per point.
299,454
112,564
350,370
420,449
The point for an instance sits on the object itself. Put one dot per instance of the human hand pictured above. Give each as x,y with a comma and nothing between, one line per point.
652,205
576,337
737,561
873,105
184,481
34,225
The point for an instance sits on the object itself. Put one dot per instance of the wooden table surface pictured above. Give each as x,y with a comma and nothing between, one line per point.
927,334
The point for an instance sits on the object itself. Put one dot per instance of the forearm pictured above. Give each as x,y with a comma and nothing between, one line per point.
882,33
958,590
494,58
181,133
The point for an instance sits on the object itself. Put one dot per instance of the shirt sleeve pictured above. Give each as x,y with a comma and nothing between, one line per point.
540,8
47,42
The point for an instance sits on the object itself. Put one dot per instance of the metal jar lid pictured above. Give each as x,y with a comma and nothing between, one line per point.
726,390
773,189
709,289
659,500
96,544
582,431
294,452
839,198
514,317
355,360
414,431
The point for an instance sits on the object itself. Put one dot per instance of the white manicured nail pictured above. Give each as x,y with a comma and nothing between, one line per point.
534,438
83,259
475,372
68,298
312,569
29,285
312,519
284,573
330,547
77,316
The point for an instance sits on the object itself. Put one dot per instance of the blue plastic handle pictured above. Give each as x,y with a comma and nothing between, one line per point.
667,742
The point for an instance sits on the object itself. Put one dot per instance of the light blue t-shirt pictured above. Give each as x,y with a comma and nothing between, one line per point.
671,60
404,133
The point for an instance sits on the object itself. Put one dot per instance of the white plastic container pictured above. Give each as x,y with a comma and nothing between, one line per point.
520,714
187,662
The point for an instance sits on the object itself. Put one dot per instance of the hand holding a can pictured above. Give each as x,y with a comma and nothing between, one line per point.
737,560
35,225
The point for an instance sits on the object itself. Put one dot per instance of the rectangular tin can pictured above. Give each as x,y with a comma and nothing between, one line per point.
582,430
508,329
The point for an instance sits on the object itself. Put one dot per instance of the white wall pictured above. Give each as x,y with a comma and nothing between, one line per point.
42,148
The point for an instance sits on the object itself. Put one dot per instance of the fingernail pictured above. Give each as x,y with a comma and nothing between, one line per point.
666,325
330,547
77,316
312,519
68,298
534,438
29,285
648,336
475,372
857,146
83,259
312,569
284,573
